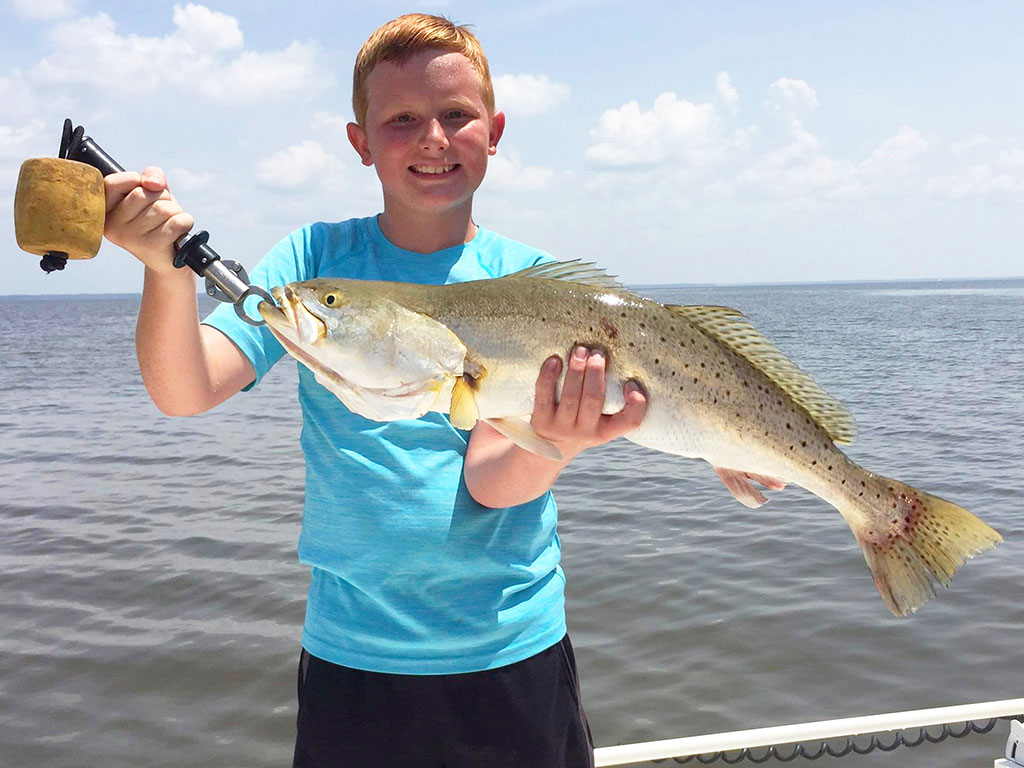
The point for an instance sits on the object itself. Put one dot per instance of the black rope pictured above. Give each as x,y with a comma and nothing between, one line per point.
875,742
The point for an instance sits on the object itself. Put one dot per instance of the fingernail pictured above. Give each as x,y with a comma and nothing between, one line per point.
580,353
552,364
631,387
597,353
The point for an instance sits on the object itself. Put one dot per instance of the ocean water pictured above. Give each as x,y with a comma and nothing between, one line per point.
151,600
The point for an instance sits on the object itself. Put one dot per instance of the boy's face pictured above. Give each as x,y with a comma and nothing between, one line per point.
427,132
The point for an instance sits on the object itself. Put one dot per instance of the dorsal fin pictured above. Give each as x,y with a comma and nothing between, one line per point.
575,271
734,330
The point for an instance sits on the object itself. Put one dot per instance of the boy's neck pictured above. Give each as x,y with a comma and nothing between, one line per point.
426,233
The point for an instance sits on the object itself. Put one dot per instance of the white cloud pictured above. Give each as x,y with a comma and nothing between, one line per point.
727,92
182,179
528,94
506,172
1012,157
206,30
894,155
42,9
202,55
255,76
297,166
792,96
977,181
672,128
800,170
331,122
15,139
968,144
21,102
17,143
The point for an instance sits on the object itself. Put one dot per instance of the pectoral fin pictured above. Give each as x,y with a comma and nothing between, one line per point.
521,433
464,410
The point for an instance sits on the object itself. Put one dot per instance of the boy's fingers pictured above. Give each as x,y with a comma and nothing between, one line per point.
172,223
631,415
544,390
116,187
166,232
592,400
153,179
572,388
138,202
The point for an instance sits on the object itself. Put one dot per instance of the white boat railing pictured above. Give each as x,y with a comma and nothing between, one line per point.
736,745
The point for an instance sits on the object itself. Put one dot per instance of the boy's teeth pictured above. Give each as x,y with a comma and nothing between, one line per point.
432,168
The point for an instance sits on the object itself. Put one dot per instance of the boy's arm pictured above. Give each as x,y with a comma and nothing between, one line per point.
499,473
187,368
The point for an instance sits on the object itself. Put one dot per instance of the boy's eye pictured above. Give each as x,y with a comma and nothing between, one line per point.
457,114
403,119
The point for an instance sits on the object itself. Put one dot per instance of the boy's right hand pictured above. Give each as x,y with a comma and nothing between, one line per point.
144,218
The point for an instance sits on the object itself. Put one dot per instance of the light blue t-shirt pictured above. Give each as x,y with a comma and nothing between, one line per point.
409,574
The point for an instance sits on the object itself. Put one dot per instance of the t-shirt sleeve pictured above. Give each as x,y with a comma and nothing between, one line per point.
286,262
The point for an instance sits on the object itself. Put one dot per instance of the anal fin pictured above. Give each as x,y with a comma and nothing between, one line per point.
740,485
521,433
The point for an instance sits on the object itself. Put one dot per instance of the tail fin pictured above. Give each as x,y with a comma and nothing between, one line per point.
913,538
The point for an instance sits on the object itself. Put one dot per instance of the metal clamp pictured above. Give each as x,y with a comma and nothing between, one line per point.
227,280
254,290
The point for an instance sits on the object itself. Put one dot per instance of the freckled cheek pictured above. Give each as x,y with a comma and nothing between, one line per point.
470,137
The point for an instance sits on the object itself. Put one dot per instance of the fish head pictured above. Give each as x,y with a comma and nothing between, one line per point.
374,353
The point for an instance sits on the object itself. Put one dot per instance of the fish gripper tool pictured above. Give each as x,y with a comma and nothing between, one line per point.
226,280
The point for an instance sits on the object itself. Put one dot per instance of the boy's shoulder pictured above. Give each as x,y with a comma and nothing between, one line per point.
505,254
357,248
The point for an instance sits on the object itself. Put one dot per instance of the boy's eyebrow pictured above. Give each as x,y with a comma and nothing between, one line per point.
403,104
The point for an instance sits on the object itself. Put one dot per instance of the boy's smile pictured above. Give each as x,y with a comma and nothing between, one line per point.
428,133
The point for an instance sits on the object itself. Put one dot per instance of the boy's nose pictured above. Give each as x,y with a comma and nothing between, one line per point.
434,137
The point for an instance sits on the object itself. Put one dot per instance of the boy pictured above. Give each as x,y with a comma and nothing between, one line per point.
435,628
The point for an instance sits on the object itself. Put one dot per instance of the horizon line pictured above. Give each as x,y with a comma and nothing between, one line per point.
857,281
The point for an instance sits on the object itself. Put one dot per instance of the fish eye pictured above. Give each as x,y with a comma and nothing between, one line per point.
332,299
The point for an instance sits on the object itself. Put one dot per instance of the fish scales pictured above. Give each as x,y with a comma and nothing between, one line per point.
717,390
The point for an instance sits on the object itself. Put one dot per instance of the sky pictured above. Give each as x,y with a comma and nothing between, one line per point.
669,142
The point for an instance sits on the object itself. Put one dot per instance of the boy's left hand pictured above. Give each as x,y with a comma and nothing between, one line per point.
574,421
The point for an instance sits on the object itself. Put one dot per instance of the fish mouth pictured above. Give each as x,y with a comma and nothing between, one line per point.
294,315
286,322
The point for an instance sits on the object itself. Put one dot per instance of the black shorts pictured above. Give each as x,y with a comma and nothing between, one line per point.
524,715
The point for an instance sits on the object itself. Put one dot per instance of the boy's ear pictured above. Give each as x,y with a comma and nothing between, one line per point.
497,128
357,137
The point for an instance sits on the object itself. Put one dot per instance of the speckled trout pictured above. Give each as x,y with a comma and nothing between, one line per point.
717,390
